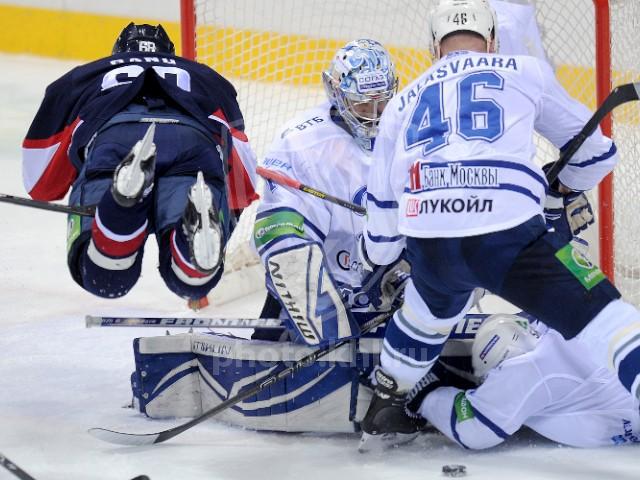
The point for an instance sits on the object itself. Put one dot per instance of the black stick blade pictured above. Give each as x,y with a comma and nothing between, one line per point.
120,438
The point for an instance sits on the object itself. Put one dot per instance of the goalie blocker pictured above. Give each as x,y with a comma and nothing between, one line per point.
184,375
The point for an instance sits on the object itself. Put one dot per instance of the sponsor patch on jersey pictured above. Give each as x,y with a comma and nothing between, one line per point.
277,225
271,162
424,176
464,410
588,274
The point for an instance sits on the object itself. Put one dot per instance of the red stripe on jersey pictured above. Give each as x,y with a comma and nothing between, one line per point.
114,248
239,134
185,267
241,191
60,173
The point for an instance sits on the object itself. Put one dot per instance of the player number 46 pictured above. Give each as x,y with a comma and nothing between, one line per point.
460,19
478,118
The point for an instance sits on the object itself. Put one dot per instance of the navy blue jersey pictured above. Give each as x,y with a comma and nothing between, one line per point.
76,105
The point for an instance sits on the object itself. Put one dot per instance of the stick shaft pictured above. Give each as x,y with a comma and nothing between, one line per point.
282,179
86,211
618,96
186,322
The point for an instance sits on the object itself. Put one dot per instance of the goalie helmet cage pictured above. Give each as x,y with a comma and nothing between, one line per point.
275,50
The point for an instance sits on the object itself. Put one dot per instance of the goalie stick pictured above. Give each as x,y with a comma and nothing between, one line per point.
627,92
282,179
166,322
13,468
139,439
83,210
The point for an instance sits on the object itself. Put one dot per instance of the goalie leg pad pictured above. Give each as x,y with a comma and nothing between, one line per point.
186,375
300,279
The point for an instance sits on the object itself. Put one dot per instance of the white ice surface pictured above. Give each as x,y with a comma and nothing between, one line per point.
57,379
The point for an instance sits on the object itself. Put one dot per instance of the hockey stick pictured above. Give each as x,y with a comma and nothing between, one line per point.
166,322
282,179
84,210
618,96
13,468
138,439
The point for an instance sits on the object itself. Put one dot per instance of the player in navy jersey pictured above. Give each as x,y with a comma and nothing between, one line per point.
154,140
455,183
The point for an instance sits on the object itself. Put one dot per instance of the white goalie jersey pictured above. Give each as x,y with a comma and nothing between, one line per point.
316,151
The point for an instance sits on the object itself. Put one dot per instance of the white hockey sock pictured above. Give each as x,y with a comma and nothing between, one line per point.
414,339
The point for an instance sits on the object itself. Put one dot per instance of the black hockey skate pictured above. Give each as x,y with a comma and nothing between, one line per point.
133,178
201,226
388,423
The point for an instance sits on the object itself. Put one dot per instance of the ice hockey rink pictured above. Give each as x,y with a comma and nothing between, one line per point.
57,378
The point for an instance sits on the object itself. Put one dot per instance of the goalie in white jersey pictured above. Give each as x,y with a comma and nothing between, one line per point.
534,377
308,246
454,182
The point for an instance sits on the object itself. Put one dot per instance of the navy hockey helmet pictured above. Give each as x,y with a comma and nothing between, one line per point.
143,38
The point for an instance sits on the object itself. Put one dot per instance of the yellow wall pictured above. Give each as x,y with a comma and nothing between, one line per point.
64,34
85,36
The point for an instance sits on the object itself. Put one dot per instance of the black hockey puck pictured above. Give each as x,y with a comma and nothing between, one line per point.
454,470
141,477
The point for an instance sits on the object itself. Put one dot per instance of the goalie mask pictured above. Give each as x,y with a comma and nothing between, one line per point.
499,338
143,38
359,83
451,16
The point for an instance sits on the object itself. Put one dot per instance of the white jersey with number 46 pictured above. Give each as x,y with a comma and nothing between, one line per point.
455,153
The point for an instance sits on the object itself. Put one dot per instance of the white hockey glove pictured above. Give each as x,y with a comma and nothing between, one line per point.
300,280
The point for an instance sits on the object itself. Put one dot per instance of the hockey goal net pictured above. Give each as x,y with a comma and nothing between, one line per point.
275,50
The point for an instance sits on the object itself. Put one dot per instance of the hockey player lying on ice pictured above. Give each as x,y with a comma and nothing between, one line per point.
530,376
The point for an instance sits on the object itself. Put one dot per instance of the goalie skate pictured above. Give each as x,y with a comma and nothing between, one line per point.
201,226
133,178
387,422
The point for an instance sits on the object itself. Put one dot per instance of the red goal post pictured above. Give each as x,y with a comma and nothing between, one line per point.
584,39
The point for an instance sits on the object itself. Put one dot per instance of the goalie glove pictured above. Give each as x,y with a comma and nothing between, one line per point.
385,285
301,282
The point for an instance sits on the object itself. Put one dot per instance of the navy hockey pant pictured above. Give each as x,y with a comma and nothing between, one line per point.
181,152
534,269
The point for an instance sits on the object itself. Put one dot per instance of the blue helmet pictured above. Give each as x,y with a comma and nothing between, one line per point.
359,82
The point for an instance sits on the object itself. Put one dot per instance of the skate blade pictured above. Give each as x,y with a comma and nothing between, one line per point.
206,241
384,441
131,177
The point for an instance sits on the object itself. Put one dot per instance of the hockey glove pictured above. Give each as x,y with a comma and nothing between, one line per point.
385,285
438,376
567,214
